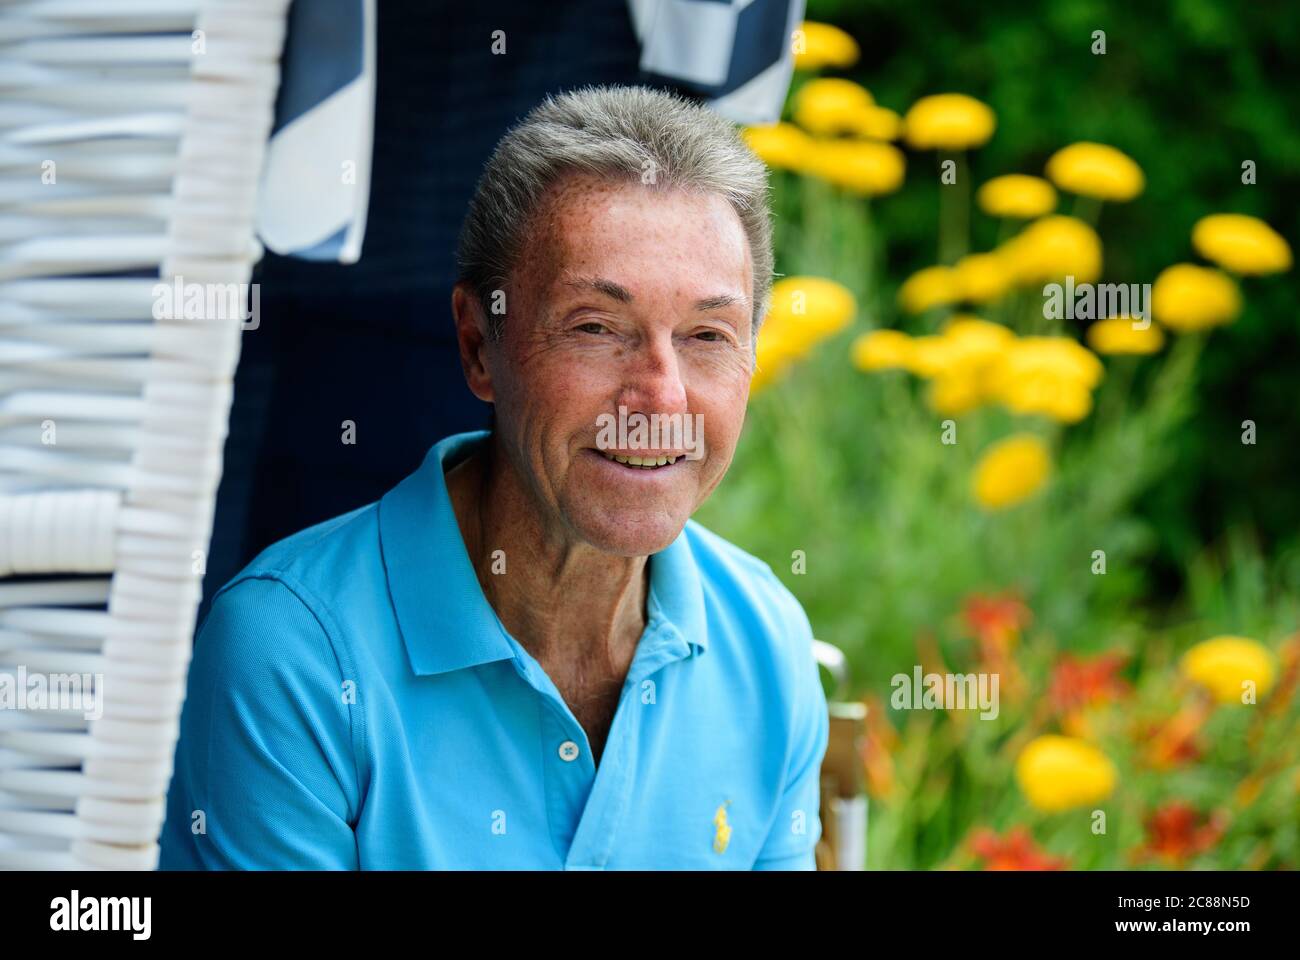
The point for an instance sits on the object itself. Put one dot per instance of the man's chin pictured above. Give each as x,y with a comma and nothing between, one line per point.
632,535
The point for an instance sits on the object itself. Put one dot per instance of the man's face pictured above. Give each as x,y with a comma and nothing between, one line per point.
625,295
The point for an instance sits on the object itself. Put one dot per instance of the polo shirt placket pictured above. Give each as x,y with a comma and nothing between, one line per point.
585,803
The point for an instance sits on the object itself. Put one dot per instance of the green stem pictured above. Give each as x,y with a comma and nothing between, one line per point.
1087,209
812,197
874,258
954,209
1030,308
1116,396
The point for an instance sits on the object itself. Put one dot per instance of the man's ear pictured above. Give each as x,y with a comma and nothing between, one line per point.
471,335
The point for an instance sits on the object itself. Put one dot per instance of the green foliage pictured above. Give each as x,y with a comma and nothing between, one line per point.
1190,89
1198,529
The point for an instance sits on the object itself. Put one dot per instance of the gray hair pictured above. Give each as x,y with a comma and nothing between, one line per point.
618,133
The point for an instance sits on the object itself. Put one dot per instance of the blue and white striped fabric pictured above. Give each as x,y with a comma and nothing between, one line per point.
316,182
734,54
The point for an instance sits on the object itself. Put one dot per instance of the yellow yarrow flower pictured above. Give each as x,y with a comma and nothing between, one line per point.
965,343
1225,664
773,353
817,301
881,350
863,167
1017,196
877,123
1096,170
978,333
958,360
1052,376
931,356
1117,335
1062,399
1242,244
803,312
929,288
780,145
1060,356
819,45
948,121
778,342
828,105
1186,298
983,277
953,394
1060,773
1052,248
976,341
1011,471
806,310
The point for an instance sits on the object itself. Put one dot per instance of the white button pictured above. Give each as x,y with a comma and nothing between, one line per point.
568,751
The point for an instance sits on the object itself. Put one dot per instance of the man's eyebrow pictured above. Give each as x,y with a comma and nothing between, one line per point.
608,287
720,301
620,293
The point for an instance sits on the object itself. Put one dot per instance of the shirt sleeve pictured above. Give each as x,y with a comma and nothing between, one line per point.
265,774
797,827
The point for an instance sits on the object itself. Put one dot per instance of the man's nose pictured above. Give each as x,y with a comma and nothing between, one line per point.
652,379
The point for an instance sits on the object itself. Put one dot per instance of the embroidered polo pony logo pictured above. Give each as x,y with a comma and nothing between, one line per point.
722,829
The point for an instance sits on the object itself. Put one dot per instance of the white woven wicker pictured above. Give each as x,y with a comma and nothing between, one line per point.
131,142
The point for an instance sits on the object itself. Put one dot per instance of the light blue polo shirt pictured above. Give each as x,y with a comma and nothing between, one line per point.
354,702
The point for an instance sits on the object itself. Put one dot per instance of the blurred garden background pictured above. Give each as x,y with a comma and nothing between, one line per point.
1104,514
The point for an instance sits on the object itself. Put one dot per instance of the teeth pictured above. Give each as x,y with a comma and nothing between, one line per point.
645,463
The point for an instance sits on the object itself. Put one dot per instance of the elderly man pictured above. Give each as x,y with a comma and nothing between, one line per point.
526,655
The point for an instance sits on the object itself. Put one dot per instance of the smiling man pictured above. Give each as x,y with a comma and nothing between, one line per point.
526,655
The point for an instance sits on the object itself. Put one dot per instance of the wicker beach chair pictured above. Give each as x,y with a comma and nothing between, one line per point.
131,146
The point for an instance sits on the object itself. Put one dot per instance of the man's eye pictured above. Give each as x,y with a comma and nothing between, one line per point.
591,327
710,336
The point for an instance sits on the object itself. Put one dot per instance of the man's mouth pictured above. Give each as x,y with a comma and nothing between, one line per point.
647,462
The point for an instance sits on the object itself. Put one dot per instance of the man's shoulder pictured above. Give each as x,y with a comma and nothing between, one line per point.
720,556
763,632
312,563
286,617
747,584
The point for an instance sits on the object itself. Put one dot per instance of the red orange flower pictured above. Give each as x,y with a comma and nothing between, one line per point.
878,749
1079,682
996,622
1015,850
1174,741
1176,832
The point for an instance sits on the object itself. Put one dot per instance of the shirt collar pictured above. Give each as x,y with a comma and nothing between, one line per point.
445,620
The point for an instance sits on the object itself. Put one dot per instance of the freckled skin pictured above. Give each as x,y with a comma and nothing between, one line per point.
578,529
